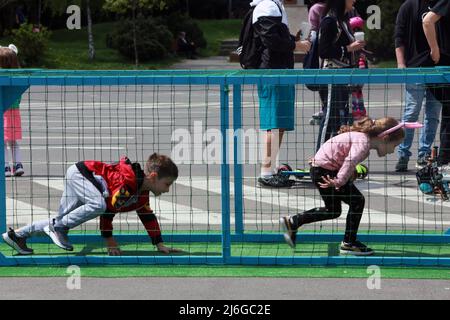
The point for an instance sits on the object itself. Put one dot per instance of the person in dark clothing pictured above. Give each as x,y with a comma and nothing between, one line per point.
276,102
315,15
20,16
271,26
410,42
436,26
186,47
336,47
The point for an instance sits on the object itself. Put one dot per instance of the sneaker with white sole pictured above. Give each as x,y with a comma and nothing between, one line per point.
18,170
422,161
276,181
17,243
59,237
7,171
355,248
290,234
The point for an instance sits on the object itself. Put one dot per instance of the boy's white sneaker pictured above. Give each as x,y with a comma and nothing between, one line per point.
17,243
58,237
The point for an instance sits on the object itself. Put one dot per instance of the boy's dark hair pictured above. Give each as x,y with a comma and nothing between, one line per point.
162,165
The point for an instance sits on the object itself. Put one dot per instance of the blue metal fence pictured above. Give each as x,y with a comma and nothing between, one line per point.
14,82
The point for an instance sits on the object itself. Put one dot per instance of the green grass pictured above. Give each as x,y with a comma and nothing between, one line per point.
228,271
68,49
217,30
214,249
386,64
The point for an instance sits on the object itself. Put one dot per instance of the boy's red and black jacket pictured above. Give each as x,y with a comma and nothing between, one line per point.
124,179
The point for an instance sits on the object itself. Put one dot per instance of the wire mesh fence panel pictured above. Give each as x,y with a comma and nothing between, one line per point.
216,126
65,124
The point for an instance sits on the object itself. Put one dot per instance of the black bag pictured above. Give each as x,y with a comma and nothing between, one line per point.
249,48
250,45
311,61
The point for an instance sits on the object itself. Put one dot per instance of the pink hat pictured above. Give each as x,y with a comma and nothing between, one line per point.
356,23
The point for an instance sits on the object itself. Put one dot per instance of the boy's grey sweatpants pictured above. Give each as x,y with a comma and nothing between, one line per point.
81,201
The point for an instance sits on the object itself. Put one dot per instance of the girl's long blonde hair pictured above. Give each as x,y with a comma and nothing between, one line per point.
374,127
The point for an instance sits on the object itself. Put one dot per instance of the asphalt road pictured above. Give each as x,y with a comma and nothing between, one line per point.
208,289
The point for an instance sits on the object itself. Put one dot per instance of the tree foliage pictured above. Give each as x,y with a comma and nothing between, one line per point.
381,41
153,40
32,44
59,7
123,6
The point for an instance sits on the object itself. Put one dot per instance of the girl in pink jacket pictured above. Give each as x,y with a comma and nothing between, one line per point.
332,170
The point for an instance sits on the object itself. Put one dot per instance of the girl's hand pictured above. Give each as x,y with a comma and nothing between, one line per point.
162,248
327,183
356,46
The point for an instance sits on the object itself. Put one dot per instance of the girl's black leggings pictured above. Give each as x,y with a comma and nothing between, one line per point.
333,199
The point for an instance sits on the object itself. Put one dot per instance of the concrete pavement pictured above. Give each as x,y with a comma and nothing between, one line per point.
223,289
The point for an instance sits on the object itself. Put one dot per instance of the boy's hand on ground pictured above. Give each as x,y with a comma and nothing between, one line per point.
162,248
113,247
114,251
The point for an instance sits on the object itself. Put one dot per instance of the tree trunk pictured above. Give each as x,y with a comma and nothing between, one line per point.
90,34
136,57
39,14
